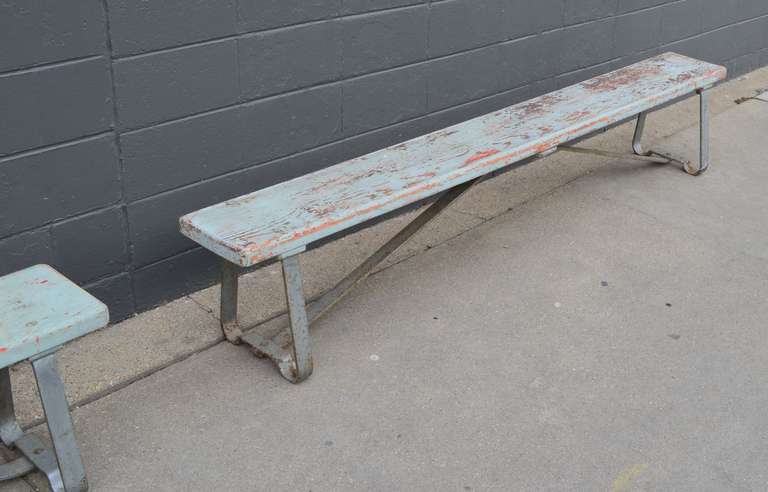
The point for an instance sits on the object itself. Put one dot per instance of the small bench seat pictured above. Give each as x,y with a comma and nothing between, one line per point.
41,310
283,220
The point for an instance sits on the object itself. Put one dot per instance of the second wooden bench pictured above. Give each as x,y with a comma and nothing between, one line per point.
281,221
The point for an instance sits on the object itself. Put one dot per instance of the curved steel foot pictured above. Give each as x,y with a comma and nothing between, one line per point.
694,171
277,347
289,371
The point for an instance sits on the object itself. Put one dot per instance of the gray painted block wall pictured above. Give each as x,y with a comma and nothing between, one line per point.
120,116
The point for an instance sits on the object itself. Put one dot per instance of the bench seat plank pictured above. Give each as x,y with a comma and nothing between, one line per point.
290,215
40,309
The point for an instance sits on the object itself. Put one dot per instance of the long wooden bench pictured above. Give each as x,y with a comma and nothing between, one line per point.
281,221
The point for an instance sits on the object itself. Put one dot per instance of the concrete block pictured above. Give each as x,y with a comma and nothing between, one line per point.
381,40
459,25
61,182
154,222
625,6
167,85
462,78
91,246
256,15
589,44
578,11
117,293
680,20
523,17
48,31
284,125
288,59
384,98
638,31
181,152
719,14
137,27
25,249
173,277
522,62
44,106
361,6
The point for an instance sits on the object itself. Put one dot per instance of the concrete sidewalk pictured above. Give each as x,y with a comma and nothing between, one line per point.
605,335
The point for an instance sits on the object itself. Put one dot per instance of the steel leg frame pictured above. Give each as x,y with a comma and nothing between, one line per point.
703,138
289,347
652,156
63,467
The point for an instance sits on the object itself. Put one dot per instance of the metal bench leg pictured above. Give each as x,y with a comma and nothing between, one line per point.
59,421
637,145
63,466
10,431
659,157
703,136
230,276
299,367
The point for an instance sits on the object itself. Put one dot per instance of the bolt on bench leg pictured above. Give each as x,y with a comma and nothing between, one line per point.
230,274
703,135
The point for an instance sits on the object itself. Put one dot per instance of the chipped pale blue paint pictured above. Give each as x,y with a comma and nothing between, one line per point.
40,309
293,214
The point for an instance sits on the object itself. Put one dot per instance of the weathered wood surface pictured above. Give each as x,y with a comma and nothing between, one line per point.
285,217
40,309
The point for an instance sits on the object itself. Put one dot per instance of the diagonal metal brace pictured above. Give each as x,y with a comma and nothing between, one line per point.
275,339
646,157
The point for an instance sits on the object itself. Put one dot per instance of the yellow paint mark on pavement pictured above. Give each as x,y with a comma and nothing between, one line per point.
625,478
